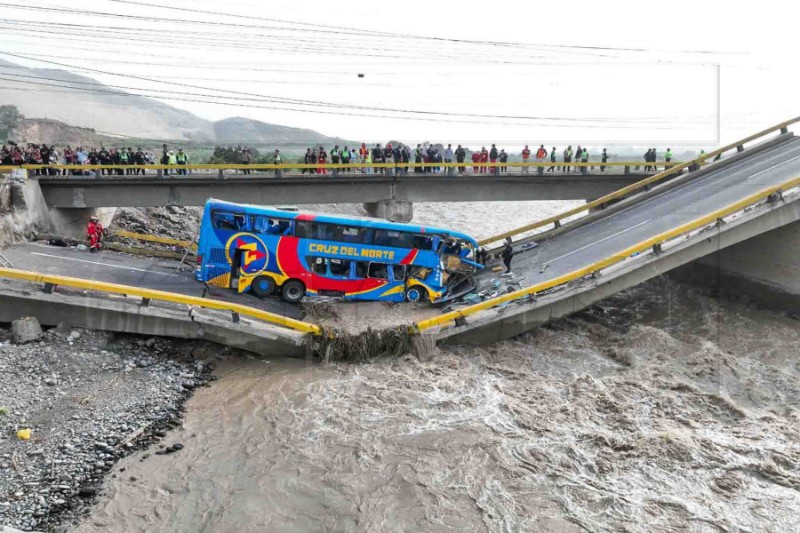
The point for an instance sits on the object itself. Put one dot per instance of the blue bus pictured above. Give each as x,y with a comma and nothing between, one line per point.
279,252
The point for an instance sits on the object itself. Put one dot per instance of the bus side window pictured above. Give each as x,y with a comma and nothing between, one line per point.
302,229
362,269
399,272
222,220
261,224
422,242
339,267
317,265
239,222
378,270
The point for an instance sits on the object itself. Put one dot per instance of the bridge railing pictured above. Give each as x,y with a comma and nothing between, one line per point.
556,220
625,167
50,282
653,244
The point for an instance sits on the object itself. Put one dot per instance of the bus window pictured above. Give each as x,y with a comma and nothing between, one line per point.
378,271
352,234
229,221
284,227
422,242
339,267
302,229
317,265
399,272
362,269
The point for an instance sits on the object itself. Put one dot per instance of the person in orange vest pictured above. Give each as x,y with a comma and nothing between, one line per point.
363,152
541,154
94,234
526,155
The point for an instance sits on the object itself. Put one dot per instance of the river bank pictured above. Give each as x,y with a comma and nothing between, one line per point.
88,399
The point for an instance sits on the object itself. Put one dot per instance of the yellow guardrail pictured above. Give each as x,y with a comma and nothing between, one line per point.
700,222
151,294
636,186
155,238
330,166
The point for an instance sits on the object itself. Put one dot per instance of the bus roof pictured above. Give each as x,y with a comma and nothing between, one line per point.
376,223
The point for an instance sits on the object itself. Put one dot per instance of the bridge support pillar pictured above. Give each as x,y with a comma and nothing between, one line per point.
394,210
764,269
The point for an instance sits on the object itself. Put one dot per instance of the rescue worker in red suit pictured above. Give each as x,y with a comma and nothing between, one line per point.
322,159
476,158
94,234
484,159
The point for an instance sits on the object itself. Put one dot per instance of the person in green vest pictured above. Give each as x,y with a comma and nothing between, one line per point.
123,160
668,158
181,159
567,159
584,159
172,159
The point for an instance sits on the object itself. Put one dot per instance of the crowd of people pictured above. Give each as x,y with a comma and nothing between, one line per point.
398,158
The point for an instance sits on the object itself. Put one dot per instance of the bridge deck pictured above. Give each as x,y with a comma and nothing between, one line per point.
596,240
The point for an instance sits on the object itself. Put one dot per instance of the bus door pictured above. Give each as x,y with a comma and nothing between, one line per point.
219,267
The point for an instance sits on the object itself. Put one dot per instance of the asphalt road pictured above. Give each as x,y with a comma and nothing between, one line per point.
592,242
124,269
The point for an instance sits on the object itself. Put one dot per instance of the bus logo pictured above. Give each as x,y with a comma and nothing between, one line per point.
255,255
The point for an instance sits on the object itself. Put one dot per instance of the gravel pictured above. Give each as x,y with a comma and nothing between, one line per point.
89,399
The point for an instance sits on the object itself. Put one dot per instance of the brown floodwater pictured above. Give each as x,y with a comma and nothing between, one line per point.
661,409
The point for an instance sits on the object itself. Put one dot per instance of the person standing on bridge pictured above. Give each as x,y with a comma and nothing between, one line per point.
503,158
346,159
405,157
507,254
448,158
484,159
476,158
647,159
584,160
181,159
335,155
526,155
668,158
276,159
493,159
461,155
578,154
552,167
604,159
245,159
307,160
567,159
322,158
541,155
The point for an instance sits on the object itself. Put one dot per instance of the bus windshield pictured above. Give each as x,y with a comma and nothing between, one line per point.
293,255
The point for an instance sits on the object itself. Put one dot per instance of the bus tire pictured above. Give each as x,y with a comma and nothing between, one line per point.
263,286
415,294
293,291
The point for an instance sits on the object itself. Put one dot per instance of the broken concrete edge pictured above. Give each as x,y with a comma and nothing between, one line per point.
125,315
514,318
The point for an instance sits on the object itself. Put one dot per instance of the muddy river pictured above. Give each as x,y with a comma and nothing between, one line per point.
662,409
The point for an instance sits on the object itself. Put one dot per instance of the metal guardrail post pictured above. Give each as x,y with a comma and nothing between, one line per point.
627,169
784,130
221,174
159,172
740,148
145,302
48,288
278,173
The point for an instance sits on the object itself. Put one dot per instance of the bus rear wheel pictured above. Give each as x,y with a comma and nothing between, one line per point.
263,286
293,291
415,294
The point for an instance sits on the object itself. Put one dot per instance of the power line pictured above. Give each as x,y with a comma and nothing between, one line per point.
317,103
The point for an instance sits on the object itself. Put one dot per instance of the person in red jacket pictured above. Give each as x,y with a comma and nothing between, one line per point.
94,234
484,159
322,160
476,158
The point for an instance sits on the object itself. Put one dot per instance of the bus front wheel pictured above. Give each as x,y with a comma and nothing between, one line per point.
263,286
293,291
415,294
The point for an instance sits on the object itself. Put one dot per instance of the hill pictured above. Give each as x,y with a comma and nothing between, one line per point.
87,103
54,132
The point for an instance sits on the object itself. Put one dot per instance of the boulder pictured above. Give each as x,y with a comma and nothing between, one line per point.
26,329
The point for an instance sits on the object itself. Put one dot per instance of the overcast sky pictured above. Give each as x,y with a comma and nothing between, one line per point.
588,72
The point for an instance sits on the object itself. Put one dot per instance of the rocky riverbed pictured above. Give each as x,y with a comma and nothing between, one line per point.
88,399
